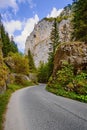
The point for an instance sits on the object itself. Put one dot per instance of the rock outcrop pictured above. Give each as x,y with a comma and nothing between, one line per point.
39,40
74,53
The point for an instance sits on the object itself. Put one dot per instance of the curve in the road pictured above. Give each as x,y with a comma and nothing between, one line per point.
36,109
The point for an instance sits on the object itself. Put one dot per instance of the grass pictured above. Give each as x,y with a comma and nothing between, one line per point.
71,95
4,99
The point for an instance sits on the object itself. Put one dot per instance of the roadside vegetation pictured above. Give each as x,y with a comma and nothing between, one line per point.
14,70
4,98
69,85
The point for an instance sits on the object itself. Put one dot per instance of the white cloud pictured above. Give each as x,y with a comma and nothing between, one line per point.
25,28
9,3
30,2
28,28
12,26
55,12
14,4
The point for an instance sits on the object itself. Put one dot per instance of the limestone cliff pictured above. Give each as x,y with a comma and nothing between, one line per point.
39,40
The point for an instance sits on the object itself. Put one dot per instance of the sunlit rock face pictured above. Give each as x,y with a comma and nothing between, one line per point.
39,41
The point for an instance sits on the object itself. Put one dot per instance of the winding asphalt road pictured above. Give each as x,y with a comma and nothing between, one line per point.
36,109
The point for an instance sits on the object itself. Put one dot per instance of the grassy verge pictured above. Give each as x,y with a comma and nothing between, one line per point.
71,95
4,99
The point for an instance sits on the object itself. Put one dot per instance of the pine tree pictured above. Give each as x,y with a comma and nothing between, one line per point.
5,41
13,46
54,36
8,45
80,20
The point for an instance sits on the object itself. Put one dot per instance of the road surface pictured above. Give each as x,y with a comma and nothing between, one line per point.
36,109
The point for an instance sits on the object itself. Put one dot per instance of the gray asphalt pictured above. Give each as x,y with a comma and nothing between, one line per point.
36,109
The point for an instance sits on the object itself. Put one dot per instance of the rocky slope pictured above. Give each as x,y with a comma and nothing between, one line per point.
39,40
74,53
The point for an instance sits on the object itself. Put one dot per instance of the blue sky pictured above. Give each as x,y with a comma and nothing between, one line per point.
20,16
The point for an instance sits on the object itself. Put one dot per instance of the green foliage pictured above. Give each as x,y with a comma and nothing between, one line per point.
60,18
4,98
49,19
31,62
20,63
8,46
3,72
67,84
79,21
50,63
21,80
65,75
13,47
14,87
54,36
80,83
43,74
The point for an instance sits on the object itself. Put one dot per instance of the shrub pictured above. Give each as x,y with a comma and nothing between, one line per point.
69,85
80,83
17,63
65,75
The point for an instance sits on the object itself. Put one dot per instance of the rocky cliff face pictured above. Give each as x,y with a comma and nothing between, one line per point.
39,40
74,53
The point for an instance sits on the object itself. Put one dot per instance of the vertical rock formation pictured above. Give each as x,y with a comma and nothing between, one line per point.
39,41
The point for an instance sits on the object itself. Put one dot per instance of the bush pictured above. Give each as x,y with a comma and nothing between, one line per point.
20,80
17,63
65,75
80,83
67,84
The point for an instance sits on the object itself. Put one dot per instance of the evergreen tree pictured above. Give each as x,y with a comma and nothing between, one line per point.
80,20
13,46
8,45
54,36
5,41
31,62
